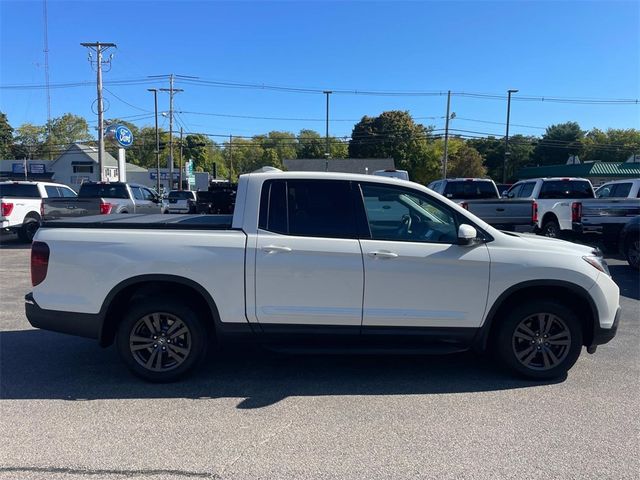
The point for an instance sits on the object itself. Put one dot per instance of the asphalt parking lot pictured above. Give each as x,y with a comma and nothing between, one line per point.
70,410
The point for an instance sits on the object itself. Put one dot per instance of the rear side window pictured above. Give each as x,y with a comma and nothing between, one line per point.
52,191
103,190
19,190
137,193
67,192
566,189
308,208
527,190
470,189
621,190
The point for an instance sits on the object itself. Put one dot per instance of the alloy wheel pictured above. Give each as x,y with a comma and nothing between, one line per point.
541,341
160,341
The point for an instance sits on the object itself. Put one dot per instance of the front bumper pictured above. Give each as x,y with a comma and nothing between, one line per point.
79,324
605,335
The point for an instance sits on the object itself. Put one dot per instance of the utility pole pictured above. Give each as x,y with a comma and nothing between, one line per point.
46,73
506,137
171,91
230,158
446,138
99,48
327,150
157,150
180,176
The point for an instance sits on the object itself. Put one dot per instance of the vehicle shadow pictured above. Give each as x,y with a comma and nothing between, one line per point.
10,241
44,365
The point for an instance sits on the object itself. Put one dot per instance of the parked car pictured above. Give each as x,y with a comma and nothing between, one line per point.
321,260
480,197
104,198
181,201
630,242
556,199
21,203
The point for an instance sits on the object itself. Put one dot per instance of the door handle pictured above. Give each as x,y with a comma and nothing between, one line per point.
499,209
383,254
275,248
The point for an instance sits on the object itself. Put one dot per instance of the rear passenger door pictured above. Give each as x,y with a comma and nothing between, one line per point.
308,265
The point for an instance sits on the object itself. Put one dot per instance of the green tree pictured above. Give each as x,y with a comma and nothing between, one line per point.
395,135
312,145
6,137
464,160
28,141
613,145
492,151
558,143
64,130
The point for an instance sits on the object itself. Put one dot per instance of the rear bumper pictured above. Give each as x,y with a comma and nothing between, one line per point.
605,335
78,324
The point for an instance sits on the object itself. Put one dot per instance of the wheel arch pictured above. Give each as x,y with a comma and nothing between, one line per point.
549,216
573,296
122,294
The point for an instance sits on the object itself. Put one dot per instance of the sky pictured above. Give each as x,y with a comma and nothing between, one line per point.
563,49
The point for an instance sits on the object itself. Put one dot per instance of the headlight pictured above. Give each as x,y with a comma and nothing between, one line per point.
598,262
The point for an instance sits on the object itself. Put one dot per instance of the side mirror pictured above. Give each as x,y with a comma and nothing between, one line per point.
466,235
505,194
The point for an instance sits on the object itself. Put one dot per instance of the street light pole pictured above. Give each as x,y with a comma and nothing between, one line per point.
506,137
157,151
327,150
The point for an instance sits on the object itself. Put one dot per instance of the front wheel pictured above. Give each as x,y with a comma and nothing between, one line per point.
540,340
161,340
632,252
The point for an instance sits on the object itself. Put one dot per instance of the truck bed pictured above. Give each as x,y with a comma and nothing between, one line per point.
145,222
502,212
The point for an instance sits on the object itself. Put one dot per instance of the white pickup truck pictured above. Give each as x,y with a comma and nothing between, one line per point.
321,261
558,201
21,205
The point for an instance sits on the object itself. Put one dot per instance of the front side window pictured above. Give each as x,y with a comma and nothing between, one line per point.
515,190
67,192
137,193
148,194
398,214
308,208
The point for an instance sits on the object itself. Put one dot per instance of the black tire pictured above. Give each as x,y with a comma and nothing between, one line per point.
550,228
28,230
632,252
145,335
522,346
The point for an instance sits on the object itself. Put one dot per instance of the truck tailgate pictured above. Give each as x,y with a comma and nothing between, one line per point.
505,212
53,208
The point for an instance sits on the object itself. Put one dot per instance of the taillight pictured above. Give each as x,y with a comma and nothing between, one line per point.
534,212
576,211
464,205
42,210
39,262
105,208
6,209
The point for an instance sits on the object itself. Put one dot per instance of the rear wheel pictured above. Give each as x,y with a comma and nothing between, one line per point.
540,340
550,228
161,340
28,230
632,252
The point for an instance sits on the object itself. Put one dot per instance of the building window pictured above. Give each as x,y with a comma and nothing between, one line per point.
83,169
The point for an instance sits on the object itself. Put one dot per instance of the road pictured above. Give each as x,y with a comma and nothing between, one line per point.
70,410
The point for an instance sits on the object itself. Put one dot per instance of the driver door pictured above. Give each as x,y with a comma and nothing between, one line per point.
415,273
